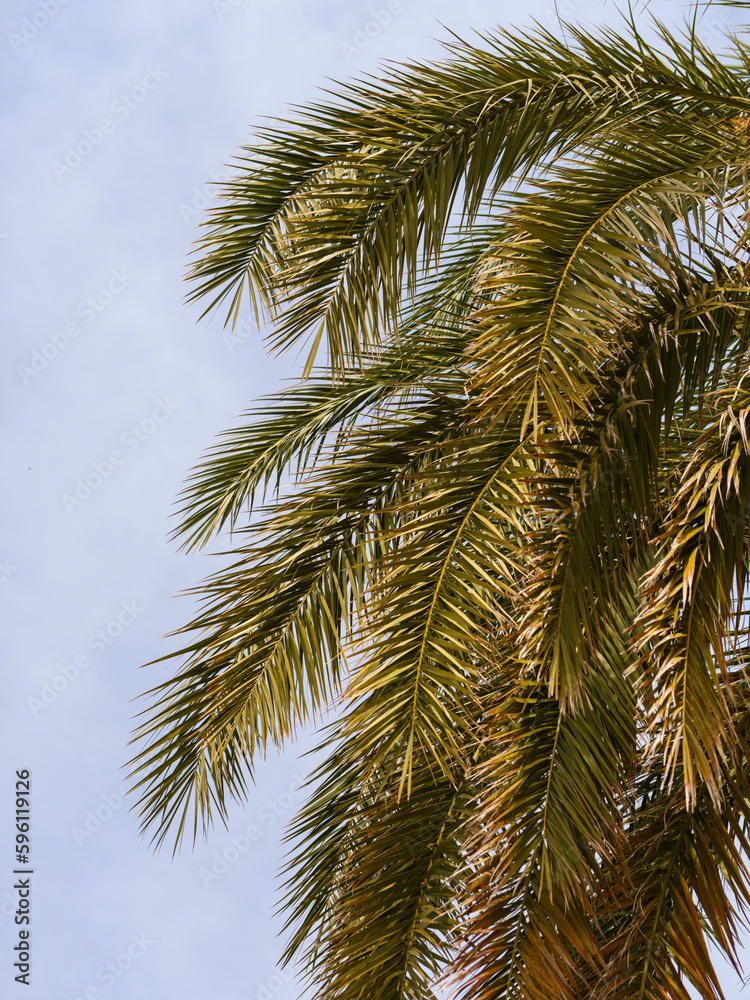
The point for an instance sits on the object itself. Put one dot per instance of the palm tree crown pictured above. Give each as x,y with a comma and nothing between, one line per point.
503,522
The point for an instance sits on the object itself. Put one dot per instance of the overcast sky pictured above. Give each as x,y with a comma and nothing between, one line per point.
115,115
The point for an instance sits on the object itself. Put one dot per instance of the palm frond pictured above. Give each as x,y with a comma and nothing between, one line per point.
500,527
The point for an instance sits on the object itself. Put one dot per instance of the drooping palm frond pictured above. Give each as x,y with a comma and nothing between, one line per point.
267,657
358,844
289,434
687,867
337,213
501,529
697,590
552,787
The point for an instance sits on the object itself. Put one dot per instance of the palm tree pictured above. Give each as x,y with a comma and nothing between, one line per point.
503,524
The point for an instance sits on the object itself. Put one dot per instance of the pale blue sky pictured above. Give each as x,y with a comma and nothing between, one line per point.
102,356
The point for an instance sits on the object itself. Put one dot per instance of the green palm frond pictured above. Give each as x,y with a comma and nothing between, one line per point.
381,875
686,886
337,214
551,791
500,528
452,567
697,589
617,238
299,425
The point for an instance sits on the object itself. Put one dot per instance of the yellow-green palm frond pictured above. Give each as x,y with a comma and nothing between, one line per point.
500,527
